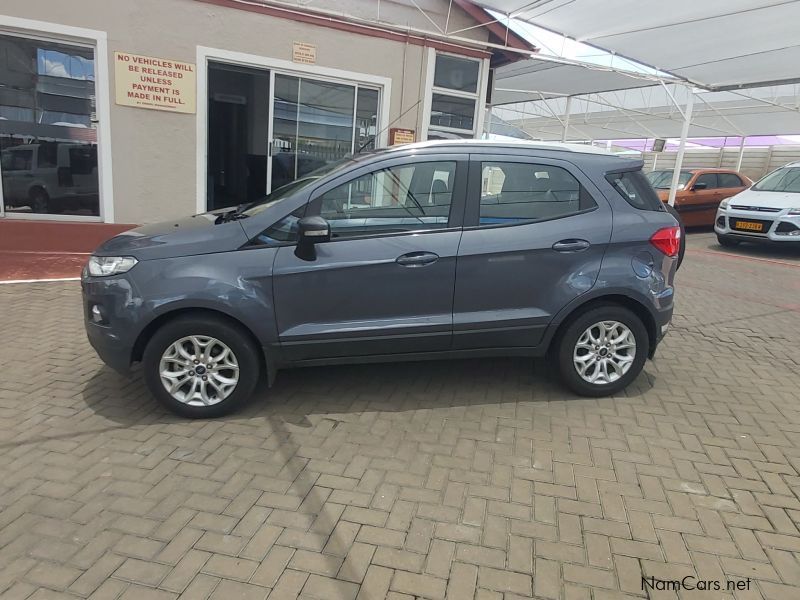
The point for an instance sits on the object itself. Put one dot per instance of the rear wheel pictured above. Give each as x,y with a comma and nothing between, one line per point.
727,242
201,367
602,351
40,201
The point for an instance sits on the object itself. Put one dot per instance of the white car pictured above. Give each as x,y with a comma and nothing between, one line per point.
769,211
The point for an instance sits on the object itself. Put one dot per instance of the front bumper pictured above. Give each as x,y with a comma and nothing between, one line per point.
778,227
114,336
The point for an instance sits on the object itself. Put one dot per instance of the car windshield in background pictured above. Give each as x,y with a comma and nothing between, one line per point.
661,180
295,186
782,180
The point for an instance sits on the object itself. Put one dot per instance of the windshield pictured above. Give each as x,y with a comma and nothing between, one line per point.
295,186
782,180
661,180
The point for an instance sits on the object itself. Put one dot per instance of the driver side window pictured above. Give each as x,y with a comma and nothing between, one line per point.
397,199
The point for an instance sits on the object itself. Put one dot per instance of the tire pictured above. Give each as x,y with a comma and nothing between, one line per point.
568,340
40,201
220,399
727,242
671,210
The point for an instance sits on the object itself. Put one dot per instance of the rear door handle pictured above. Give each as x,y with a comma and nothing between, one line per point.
417,259
570,245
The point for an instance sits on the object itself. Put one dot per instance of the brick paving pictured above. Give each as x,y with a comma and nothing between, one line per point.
469,479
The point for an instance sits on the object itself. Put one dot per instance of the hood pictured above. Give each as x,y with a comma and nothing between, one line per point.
199,234
753,197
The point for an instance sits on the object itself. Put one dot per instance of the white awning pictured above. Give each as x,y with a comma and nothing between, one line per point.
534,79
652,112
715,44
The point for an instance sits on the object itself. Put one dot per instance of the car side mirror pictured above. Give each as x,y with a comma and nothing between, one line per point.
311,231
699,186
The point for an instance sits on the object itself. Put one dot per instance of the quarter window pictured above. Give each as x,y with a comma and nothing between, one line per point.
635,189
393,200
284,231
514,193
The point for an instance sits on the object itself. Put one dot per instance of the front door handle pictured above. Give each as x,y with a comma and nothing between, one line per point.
417,259
570,245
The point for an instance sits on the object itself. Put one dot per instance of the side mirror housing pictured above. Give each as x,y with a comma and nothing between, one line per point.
699,186
310,232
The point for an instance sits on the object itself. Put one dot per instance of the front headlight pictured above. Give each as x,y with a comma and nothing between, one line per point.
103,266
724,205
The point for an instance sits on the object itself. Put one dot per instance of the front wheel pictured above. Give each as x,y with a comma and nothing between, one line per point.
726,242
602,351
201,367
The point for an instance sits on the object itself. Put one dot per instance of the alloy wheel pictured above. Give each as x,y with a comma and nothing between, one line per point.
199,370
604,352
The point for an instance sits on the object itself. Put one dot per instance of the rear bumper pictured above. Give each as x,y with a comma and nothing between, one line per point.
663,319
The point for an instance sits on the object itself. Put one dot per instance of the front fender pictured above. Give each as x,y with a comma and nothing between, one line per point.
237,284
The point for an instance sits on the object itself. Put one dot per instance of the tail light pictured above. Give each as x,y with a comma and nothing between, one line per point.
668,240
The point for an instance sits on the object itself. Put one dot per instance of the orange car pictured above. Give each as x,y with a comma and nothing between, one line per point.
699,191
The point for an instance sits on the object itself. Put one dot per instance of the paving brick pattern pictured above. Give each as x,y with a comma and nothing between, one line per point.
471,479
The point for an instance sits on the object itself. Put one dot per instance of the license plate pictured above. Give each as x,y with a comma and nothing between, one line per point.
749,226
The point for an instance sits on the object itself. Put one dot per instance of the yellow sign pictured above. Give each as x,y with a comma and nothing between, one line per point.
155,83
401,136
304,53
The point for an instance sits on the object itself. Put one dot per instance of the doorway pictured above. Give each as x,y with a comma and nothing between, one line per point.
267,128
238,121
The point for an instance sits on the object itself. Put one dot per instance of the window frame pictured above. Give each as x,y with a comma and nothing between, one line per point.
313,202
478,96
473,208
97,41
457,203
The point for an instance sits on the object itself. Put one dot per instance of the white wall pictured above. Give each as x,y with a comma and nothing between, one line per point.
756,163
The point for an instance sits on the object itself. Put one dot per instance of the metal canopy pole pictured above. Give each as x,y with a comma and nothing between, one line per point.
741,154
676,173
565,124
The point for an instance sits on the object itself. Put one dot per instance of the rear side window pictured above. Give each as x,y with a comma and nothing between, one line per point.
515,192
710,179
729,180
635,189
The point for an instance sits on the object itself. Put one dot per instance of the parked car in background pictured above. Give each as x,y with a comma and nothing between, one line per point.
397,254
50,177
699,191
767,212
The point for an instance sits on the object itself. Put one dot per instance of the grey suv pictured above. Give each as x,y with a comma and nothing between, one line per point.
432,250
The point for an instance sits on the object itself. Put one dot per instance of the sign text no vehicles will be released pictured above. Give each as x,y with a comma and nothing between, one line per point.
156,83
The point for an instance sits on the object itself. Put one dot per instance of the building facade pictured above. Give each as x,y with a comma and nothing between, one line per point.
134,112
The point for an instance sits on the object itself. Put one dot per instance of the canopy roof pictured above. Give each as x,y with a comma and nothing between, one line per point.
651,112
714,44
534,79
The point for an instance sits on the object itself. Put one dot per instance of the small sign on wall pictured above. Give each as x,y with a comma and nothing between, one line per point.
157,83
401,136
304,53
